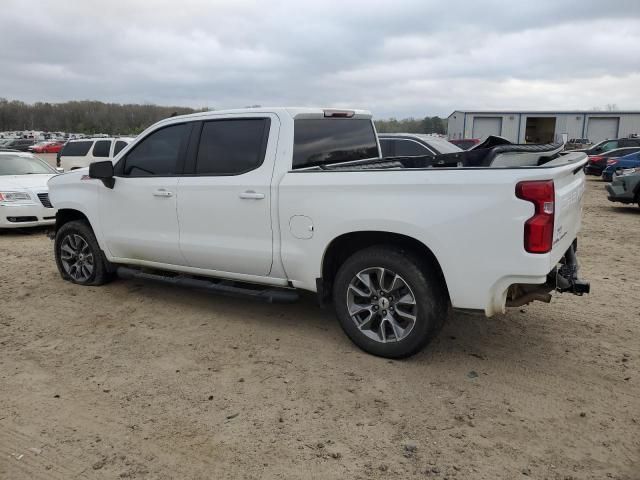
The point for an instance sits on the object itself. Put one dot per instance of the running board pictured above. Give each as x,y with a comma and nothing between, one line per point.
219,286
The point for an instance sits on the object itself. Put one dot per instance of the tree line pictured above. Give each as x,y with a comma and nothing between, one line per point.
85,116
91,117
412,125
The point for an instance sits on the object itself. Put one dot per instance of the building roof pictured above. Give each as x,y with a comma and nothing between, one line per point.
551,112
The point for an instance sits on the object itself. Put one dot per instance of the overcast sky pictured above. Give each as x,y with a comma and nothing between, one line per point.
397,58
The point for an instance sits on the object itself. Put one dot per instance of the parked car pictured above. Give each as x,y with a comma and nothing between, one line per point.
465,143
20,144
607,145
577,143
625,188
80,153
300,198
414,144
620,163
24,195
47,147
597,163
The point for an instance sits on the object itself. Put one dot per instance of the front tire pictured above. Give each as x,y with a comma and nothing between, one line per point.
78,255
389,302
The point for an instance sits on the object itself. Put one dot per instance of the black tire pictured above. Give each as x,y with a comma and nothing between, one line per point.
100,273
425,284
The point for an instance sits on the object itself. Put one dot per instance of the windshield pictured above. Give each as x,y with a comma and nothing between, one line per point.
17,165
609,145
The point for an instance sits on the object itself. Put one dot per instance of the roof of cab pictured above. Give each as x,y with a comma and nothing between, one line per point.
291,111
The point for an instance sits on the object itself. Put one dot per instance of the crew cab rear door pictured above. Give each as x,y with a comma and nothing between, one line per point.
224,198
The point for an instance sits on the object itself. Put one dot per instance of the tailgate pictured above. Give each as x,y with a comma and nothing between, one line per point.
569,186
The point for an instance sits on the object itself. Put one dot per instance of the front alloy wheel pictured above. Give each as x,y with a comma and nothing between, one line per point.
78,255
76,258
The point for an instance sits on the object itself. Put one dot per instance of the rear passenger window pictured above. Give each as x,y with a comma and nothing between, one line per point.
232,147
119,146
76,149
158,154
101,148
388,148
408,148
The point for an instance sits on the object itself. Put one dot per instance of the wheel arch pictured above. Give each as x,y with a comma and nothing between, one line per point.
345,245
66,215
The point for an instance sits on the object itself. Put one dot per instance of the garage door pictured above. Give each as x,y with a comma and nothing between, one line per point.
485,126
602,128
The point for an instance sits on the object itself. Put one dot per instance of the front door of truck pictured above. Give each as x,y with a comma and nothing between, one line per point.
138,216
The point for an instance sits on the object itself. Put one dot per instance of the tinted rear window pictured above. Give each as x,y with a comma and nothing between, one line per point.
119,146
332,140
76,149
101,148
409,148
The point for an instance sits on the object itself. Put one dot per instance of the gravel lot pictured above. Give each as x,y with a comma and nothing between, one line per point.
140,380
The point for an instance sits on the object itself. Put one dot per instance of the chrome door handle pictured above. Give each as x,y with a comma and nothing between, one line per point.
161,192
250,194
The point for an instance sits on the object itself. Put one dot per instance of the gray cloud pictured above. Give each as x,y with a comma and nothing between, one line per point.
396,58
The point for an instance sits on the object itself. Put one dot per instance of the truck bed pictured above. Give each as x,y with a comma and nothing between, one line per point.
468,216
495,152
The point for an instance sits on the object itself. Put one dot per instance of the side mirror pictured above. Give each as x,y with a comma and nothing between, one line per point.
59,169
103,171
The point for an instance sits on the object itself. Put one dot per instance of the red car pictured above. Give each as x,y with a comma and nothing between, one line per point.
47,147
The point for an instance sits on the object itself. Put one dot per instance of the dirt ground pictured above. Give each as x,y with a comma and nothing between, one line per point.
140,380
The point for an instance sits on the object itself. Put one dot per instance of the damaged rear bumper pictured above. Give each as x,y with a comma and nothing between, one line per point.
563,278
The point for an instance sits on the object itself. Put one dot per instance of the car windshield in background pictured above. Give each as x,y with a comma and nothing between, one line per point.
76,149
609,146
332,140
16,165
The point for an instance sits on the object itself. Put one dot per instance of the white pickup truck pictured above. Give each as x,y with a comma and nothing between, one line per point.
264,202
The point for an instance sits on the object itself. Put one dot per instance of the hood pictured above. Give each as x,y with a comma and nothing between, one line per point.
21,182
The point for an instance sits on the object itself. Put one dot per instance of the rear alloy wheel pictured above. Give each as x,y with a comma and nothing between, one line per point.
382,305
78,256
389,302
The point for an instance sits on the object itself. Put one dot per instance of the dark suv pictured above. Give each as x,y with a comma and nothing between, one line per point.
606,145
21,144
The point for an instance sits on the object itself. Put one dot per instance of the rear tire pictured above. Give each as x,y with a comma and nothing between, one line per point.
389,301
78,255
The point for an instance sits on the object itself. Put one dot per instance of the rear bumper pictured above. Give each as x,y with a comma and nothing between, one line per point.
593,170
562,278
30,215
616,192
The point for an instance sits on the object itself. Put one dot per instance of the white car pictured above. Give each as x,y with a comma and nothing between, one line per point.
80,153
300,198
24,194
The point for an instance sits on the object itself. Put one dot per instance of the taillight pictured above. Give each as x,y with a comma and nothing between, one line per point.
538,230
595,158
613,161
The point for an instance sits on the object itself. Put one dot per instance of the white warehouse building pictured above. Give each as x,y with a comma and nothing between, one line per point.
543,127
